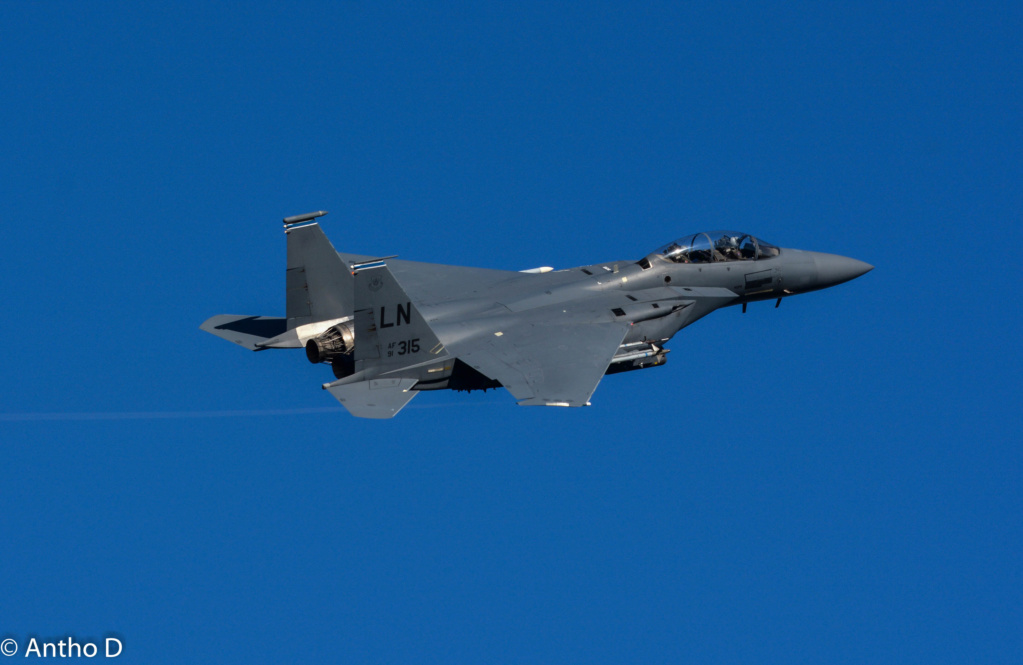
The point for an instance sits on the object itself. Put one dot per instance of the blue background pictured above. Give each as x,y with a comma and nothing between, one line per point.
837,480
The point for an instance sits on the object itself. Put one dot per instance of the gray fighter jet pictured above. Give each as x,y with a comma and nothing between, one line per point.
390,329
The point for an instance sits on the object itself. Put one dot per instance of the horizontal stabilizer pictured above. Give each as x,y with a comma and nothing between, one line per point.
244,330
376,398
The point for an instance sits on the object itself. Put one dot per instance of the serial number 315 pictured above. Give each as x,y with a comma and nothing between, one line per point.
403,347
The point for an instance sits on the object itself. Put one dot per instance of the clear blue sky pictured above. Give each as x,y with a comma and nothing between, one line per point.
835,481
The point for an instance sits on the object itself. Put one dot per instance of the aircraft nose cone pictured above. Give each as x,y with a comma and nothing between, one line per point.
834,269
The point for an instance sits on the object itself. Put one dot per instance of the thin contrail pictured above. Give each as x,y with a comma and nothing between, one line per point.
161,415
177,415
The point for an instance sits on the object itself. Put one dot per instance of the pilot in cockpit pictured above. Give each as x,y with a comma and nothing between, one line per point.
727,249
676,253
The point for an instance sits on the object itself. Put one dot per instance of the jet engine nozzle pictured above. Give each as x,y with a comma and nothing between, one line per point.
335,341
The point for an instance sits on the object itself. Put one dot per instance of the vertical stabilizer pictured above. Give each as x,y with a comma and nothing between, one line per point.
319,284
389,329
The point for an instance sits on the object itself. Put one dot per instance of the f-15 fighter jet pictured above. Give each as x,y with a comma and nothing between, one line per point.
390,329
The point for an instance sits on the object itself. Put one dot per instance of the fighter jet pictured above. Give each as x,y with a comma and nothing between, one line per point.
390,329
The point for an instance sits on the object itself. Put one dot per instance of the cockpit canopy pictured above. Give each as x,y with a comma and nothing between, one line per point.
717,246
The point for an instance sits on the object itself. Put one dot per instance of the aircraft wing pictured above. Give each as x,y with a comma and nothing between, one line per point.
553,364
